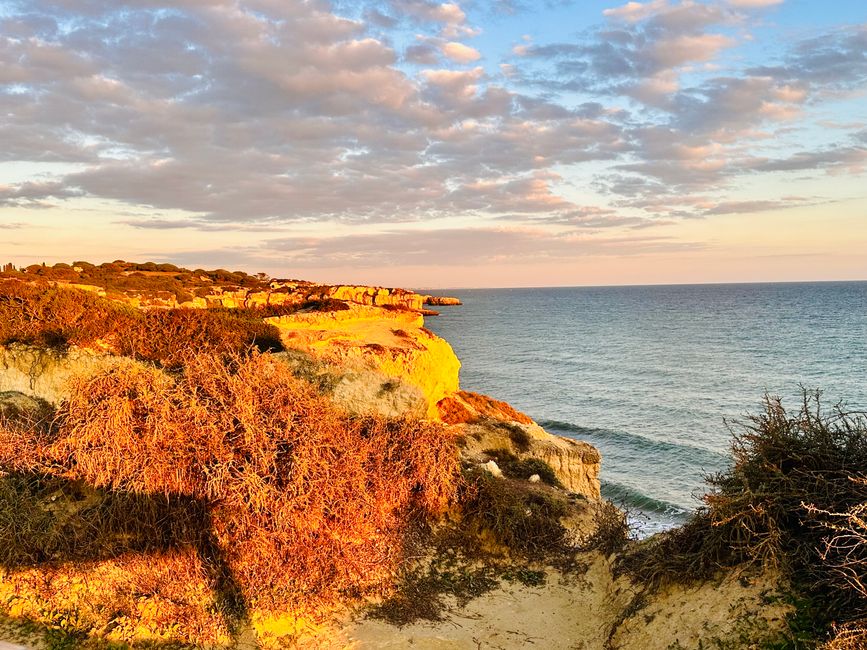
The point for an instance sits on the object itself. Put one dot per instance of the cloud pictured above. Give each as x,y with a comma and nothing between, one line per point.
460,52
203,225
34,194
829,63
754,4
852,159
422,54
760,205
451,247
635,11
449,16
641,54
259,114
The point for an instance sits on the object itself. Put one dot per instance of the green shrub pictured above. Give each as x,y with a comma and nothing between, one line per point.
519,516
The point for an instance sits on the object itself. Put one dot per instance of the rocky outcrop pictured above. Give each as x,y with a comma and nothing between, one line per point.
490,424
464,408
359,391
278,294
442,301
45,374
376,296
575,463
393,343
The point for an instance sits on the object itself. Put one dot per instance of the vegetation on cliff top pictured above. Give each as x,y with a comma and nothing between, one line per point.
57,317
795,499
291,503
118,277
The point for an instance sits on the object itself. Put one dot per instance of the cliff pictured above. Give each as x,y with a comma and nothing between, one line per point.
342,492
490,424
46,374
393,343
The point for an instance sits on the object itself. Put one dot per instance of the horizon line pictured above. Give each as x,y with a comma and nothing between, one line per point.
652,284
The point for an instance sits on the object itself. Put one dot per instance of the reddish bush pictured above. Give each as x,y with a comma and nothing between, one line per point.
170,336
56,316
40,314
306,502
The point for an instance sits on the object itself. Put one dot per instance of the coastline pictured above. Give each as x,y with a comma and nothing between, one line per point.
522,529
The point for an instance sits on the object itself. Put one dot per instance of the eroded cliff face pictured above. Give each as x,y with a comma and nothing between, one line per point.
369,360
45,374
490,424
392,343
278,294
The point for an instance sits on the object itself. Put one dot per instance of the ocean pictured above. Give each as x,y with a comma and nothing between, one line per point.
650,374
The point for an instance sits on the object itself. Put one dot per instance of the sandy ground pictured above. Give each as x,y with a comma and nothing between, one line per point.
587,611
567,612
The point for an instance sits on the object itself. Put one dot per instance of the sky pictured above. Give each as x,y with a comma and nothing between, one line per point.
426,144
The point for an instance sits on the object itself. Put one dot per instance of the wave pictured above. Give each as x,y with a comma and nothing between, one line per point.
697,455
633,500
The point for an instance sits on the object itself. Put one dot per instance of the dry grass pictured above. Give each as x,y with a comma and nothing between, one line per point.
57,317
305,504
851,636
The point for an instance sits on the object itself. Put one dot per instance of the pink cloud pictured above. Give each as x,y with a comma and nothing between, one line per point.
460,53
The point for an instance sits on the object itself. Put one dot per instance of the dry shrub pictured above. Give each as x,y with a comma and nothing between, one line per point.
612,530
776,506
57,317
851,636
170,336
845,549
48,519
306,503
523,518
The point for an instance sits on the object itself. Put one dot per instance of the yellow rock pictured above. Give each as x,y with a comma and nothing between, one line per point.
394,343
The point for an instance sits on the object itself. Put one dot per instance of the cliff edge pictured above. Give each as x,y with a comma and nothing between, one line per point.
302,471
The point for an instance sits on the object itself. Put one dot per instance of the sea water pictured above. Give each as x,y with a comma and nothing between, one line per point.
650,375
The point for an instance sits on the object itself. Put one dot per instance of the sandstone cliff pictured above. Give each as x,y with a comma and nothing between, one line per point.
494,425
376,356
393,343
45,374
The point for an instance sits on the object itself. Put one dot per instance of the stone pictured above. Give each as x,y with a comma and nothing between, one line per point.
493,469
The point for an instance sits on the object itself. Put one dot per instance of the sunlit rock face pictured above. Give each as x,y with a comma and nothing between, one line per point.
491,424
377,296
45,374
442,301
391,342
